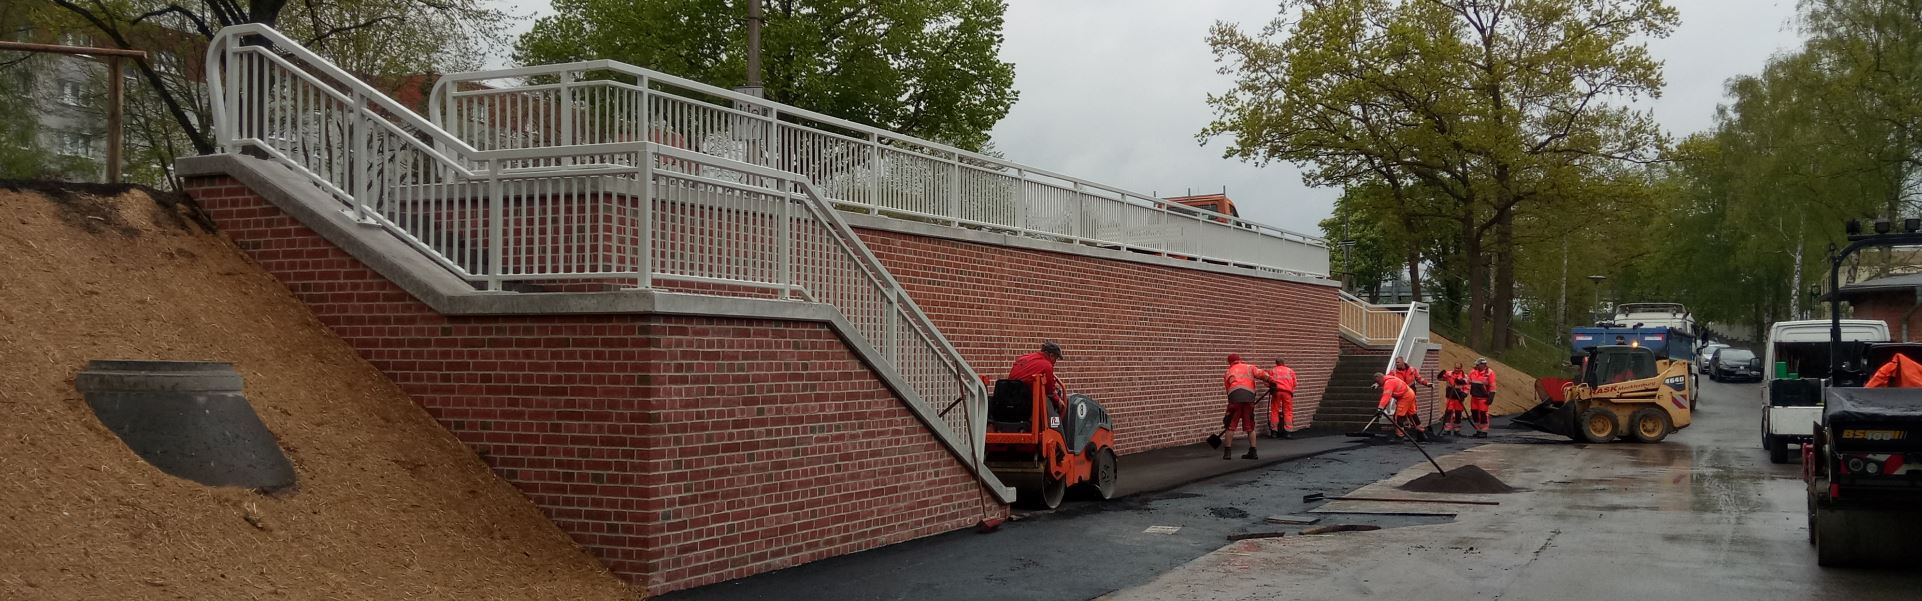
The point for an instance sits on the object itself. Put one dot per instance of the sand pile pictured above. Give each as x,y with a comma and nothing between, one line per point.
1515,390
1467,479
388,506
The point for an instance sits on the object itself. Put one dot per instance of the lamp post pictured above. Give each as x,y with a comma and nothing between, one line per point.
1598,279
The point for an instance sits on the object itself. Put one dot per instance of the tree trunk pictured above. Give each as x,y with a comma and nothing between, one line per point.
1503,308
1477,280
1414,273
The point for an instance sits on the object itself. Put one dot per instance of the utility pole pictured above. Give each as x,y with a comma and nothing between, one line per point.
754,87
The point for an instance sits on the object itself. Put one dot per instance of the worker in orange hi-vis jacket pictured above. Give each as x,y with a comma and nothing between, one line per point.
1281,404
1481,393
1408,374
1455,387
1240,383
1398,392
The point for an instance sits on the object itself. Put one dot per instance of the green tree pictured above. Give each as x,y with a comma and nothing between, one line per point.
928,68
1491,105
382,40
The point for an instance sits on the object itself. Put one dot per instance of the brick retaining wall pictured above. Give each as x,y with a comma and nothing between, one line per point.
681,451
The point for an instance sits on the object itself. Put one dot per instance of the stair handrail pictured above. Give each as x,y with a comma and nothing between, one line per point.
462,166
569,78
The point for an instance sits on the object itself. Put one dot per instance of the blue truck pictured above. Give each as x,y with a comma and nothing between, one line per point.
1668,343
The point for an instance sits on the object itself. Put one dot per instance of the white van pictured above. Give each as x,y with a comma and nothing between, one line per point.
1789,415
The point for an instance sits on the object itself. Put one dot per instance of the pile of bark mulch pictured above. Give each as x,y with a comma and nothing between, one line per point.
388,504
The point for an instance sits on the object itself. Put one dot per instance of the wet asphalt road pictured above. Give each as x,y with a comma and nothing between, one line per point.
1702,516
1086,549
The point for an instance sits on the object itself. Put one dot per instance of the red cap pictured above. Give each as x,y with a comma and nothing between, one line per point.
1234,358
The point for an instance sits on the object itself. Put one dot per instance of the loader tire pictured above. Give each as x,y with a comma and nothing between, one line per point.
1648,425
1597,425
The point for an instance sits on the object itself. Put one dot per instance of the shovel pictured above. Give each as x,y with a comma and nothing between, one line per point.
1214,440
1367,431
1411,440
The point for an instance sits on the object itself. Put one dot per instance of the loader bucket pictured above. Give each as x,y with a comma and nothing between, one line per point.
1550,417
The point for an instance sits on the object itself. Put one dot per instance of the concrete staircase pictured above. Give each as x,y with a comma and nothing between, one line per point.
1349,401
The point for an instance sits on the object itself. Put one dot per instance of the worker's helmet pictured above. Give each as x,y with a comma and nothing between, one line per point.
1481,361
1234,358
1050,348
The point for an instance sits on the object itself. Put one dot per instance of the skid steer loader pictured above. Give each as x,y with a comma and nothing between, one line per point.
1623,392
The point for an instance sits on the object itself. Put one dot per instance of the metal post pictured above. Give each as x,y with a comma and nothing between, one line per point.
754,19
954,190
1835,311
874,174
644,117
115,103
567,109
783,237
496,231
645,252
359,162
1080,212
229,126
1021,200
893,327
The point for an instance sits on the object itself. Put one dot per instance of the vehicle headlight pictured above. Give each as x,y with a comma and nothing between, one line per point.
1871,467
1855,464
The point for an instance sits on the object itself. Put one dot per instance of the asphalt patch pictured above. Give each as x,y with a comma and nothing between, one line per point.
1467,479
1227,513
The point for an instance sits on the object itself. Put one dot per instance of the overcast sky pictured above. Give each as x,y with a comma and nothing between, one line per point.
1112,91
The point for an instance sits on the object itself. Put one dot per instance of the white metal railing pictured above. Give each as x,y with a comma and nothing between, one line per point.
1372,325
611,213
1411,341
857,167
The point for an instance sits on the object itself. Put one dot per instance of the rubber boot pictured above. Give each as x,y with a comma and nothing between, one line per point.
1250,454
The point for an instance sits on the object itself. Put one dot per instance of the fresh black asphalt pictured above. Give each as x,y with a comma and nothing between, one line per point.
1085,549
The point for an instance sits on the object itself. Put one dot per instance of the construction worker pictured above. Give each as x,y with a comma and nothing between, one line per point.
1281,403
1240,383
1041,364
1408,374
1456,390
1481,393
1395,390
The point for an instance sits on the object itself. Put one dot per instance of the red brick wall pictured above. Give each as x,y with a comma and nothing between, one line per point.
1150,342
680,450
1889,307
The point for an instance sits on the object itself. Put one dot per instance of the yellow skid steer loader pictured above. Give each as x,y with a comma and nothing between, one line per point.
1624,392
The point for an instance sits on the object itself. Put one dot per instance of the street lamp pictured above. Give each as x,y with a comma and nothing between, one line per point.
1345,273
1597,279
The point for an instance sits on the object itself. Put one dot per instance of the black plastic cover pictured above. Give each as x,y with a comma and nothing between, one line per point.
1873,406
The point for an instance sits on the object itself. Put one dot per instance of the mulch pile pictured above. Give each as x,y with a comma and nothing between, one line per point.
1467,479
388,505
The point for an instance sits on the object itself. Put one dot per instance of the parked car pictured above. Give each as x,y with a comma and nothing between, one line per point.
1734,364
1702,357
